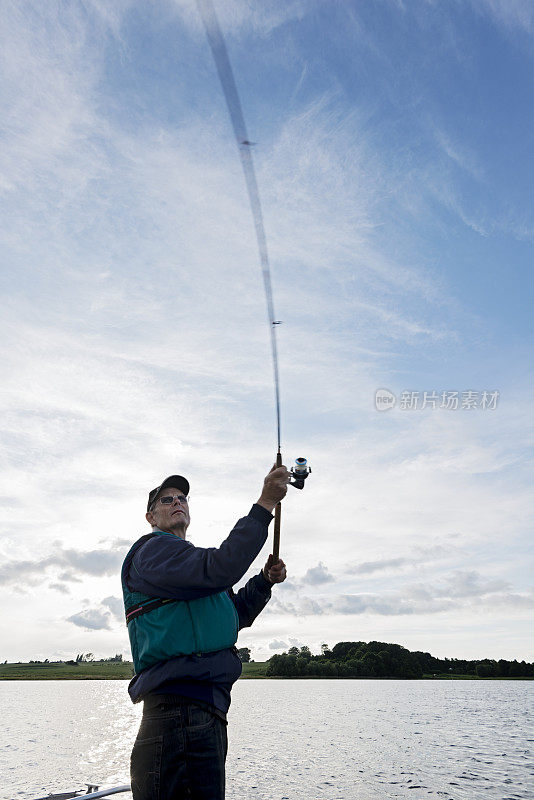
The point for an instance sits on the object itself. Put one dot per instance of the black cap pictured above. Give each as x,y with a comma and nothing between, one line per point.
173,480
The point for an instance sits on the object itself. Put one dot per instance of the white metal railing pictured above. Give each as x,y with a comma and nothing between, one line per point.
90,794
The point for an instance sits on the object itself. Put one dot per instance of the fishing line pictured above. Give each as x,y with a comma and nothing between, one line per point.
226,77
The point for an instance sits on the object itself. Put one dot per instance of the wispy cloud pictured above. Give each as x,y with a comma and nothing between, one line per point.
60,587
91,620
512,14
278,644
459,153
116,606
458,591
240,18
106,616
317,575
369,567
94,563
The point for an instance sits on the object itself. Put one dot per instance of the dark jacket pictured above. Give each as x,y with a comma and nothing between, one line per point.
170,567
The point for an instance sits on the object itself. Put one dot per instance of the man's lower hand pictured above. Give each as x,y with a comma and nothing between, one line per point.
274,571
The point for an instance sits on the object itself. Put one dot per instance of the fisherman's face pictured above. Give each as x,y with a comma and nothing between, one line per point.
172,517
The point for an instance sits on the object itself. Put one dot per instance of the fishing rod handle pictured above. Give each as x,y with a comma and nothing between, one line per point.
277,519
276,538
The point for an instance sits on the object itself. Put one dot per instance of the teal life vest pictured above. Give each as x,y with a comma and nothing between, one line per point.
162,628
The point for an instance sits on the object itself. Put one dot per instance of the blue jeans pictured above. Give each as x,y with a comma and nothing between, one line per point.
179,753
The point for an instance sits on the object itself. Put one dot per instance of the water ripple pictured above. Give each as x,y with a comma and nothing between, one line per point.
291,740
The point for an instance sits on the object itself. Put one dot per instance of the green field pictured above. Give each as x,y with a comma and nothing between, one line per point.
55,671
93,670
256,669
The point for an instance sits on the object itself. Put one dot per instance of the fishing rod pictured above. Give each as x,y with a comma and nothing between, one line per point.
300,471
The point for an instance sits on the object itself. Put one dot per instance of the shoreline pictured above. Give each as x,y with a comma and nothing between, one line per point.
102,670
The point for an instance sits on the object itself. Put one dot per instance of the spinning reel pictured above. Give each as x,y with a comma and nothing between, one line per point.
299,473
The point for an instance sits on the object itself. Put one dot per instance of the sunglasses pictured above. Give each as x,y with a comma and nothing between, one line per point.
167,499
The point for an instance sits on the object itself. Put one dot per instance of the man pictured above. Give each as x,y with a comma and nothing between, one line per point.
183,618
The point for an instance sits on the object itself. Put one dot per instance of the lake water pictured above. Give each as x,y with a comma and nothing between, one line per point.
313,739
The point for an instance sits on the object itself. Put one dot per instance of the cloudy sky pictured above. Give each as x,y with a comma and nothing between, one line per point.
394,157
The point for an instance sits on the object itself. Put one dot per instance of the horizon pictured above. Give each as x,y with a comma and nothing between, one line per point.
82,657
394,157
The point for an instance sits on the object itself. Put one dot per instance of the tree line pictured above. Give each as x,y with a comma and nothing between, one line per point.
81,658
384,660
88,658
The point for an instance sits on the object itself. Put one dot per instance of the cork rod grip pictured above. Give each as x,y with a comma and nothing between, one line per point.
277,518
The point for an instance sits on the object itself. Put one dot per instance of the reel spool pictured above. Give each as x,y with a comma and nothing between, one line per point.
299,473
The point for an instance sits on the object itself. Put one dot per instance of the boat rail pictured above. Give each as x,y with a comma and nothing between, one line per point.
91,794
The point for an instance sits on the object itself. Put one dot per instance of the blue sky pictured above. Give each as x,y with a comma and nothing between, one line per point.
395,165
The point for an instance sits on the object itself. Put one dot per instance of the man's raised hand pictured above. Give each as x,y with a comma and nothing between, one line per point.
274,487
